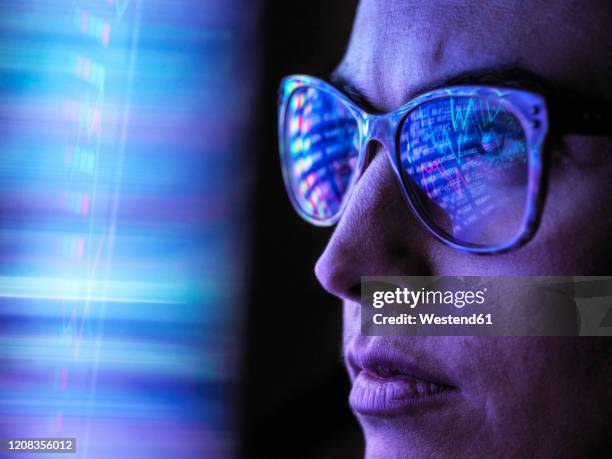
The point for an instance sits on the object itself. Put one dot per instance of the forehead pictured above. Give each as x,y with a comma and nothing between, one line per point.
399,46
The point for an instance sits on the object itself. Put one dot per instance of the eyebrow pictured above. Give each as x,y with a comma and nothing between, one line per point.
571,111
504,76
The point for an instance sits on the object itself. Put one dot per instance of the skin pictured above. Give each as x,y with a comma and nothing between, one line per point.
520,396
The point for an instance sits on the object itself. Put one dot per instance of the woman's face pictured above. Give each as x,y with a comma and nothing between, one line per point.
544,397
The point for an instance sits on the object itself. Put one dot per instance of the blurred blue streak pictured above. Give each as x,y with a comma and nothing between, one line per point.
124,216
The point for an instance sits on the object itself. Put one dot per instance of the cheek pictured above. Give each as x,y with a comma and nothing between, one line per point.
551,376
577,220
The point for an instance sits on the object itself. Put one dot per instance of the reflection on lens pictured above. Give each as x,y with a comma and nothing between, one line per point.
466,159
321,138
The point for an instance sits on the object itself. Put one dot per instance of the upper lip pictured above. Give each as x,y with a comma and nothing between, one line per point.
387,361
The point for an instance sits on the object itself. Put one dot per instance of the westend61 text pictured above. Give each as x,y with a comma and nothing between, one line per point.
432,319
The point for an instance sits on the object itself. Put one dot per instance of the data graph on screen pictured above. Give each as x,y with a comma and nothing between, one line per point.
119,228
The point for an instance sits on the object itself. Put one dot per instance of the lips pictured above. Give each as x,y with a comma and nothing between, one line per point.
387,385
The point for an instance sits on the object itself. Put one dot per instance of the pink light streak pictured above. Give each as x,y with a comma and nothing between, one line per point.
84,21
106,34
85,204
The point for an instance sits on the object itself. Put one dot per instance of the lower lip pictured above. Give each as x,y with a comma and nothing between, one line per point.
373,395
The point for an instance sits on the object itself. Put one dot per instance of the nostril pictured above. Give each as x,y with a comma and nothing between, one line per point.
354,293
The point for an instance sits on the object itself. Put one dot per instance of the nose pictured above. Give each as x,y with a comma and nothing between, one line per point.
376,236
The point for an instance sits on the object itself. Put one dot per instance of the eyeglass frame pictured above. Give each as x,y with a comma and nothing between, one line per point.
579,115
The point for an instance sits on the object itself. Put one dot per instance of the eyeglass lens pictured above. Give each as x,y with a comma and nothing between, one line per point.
467,163
322,140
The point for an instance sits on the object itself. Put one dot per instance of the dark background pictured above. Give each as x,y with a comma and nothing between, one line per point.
295,388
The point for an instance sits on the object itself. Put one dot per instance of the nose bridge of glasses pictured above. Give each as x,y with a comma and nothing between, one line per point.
378,128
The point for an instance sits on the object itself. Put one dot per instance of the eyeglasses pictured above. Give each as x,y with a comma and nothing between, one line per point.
469,159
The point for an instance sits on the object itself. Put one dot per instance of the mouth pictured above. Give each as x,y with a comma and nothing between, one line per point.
386,385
